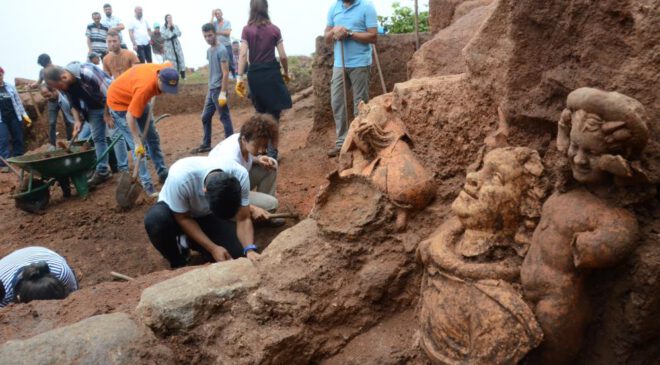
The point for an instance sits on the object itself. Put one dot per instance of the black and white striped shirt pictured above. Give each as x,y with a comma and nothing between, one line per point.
12,263
97,36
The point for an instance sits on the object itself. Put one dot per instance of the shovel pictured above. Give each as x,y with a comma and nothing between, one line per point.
129,188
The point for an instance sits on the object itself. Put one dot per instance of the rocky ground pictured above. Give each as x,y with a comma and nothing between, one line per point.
97,237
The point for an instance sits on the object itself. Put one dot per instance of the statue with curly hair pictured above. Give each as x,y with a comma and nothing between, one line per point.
582,227
471,312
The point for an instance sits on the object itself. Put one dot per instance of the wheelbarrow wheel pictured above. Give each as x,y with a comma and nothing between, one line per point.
36,200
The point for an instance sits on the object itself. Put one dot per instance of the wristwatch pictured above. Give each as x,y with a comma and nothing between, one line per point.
249,248
350,34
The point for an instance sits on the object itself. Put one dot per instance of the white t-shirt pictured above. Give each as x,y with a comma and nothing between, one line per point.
112,22
183,191
140,30
230,148
15,261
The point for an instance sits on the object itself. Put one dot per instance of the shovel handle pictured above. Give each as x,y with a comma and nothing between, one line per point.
12,168
284,215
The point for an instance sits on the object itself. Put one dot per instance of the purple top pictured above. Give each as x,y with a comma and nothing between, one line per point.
262,40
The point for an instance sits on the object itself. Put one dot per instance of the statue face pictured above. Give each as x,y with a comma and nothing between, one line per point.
490,198
583,153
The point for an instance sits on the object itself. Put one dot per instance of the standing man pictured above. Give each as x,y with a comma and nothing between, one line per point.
223,31
129,100
140,33
53,107
86,87
352,24
113,23
195,211
118,60
54,96
96,34
216,98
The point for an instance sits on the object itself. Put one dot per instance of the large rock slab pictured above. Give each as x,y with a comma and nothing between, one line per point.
112,339
443,54
186,300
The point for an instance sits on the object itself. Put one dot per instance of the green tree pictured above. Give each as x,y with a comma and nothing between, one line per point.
403,20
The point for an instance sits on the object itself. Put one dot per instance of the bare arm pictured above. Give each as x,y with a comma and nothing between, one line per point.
245,230
89,44
283,60
192,229
328,34
242,58
368,37
131,34
225,75
613,236
119,27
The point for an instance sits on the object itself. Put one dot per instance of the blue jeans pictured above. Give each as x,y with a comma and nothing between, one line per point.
11,130
98,127
53,111
210,106
151,142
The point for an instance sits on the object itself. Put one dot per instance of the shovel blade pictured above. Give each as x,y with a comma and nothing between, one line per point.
128,190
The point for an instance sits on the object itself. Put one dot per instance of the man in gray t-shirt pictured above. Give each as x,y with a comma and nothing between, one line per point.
216,98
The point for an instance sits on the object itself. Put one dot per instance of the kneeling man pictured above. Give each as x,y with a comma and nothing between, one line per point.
195,209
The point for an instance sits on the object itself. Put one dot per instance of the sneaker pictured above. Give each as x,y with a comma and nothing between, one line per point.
151,191
162,177
52,148
200,149
334,151
98,178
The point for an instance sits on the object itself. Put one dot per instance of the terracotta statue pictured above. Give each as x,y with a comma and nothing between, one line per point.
378,147
471,312
603,135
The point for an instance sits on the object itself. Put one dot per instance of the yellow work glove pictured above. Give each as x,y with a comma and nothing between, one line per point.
286,78
27,120
222,99
140,151
241,87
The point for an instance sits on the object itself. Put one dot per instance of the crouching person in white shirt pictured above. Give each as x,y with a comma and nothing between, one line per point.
248,148
203,206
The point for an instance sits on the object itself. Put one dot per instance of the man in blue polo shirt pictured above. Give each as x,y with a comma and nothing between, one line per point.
355,24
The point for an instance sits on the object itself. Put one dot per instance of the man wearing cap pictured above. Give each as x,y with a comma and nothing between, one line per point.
129,100
96,33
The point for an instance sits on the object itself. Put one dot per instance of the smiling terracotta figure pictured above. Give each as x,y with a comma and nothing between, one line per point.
470,311
602,134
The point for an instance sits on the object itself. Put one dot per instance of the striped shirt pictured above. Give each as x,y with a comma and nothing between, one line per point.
16,101
11,264
97,36
92,89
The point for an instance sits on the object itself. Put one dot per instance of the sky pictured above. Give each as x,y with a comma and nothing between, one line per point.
32,27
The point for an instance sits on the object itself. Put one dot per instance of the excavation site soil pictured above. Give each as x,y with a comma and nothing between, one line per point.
495,202
97,237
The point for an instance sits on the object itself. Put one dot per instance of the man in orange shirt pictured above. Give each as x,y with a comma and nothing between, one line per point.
118,60
129,101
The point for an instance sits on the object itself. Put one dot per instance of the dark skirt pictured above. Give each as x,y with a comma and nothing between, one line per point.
268,91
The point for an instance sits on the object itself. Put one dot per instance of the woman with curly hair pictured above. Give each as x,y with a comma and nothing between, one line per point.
247,148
